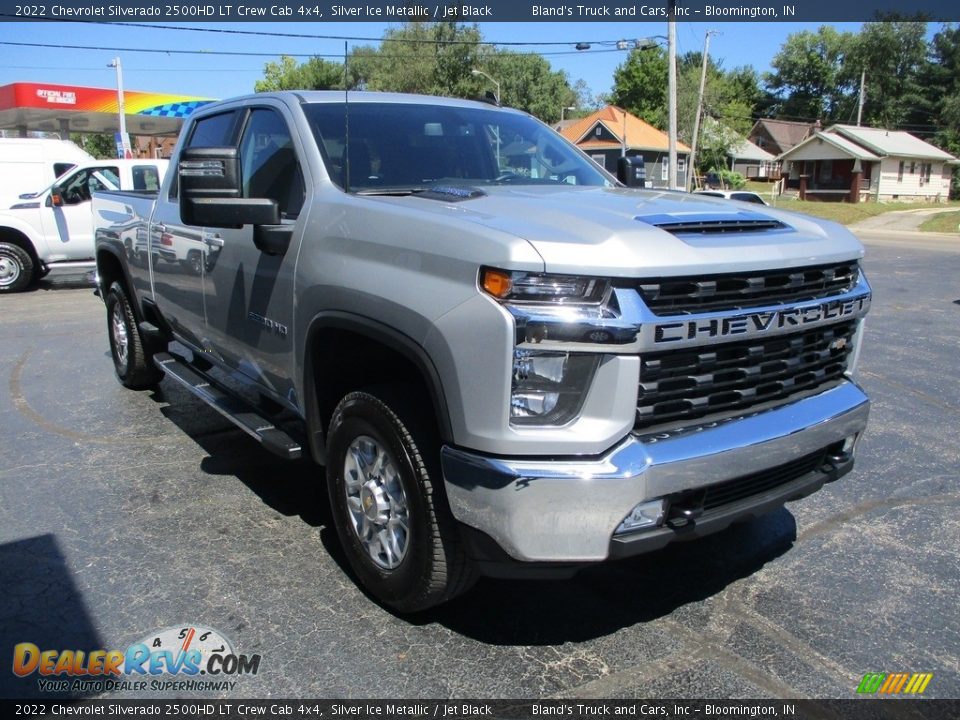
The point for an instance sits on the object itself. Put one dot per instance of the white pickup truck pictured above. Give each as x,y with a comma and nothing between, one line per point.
52,230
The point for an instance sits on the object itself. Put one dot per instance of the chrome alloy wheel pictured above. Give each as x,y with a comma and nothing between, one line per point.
118,328
376,501
9,271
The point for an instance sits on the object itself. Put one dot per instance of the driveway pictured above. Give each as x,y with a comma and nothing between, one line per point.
901,221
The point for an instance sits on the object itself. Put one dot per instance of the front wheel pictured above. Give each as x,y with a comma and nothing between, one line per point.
16,268
388,502
131,360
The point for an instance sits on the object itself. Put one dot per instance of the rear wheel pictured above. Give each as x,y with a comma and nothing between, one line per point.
132,362
193,263
388,502
16,268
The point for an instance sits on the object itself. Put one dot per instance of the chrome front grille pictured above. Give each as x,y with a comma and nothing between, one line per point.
734,291
678,386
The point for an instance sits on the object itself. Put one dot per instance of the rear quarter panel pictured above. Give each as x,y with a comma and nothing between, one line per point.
121,222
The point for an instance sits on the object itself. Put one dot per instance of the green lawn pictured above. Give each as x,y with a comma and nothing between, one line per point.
848,213
942,223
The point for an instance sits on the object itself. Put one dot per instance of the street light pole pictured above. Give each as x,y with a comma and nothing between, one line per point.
121,109
481,72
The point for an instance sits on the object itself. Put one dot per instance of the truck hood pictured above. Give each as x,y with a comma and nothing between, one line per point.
622,232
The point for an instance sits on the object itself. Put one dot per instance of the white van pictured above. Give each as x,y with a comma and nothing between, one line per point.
31,164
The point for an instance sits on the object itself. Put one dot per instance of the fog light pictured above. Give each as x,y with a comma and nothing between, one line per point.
850,443
643,517
548,387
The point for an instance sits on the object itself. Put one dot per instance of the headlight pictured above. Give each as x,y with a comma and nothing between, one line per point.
542,287
548,388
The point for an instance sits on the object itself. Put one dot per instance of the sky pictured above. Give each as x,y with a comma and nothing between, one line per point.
218,76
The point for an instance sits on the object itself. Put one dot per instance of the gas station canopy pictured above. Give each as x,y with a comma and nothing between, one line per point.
28,107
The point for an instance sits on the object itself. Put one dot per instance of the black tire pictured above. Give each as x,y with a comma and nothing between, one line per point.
17,269
194,263
132,362
433,568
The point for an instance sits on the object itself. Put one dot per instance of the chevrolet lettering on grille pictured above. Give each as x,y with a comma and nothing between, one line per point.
758,323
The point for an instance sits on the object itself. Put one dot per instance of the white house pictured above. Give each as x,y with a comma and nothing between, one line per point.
849,163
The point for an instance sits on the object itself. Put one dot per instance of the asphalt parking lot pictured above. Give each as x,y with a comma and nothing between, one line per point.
123,513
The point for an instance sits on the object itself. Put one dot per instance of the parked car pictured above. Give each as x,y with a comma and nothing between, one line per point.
741,195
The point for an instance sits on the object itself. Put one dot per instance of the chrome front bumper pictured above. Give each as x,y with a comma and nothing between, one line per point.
566,510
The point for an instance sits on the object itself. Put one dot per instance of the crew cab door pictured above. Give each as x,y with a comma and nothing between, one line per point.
66,216
248,289
175,251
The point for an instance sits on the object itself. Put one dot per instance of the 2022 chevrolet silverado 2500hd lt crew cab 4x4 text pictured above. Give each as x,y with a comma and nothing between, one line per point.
506,362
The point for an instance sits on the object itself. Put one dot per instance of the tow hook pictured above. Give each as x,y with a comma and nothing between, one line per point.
685,509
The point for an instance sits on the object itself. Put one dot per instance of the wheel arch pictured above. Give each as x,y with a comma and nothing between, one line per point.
111,268
15,236
340,346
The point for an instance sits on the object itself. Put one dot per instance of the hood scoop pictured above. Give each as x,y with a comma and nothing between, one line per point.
451,193
713,223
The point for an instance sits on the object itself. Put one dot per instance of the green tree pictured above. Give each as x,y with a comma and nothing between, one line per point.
102,146
940,104
810,78
528,83
421,57
893,54
640,85
439,59
315,74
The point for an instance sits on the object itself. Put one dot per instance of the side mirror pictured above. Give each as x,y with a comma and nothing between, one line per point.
56,196
631,171
211,191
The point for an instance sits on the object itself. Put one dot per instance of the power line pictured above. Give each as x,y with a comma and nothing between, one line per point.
309,36
168,51
126,69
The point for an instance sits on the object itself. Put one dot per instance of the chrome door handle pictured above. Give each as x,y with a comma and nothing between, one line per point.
213,240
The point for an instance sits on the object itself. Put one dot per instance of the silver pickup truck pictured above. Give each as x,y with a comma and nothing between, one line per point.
507,362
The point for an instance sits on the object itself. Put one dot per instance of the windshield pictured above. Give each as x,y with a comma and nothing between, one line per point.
400,147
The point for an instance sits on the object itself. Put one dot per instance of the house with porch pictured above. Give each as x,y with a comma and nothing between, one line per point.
846,163
611,131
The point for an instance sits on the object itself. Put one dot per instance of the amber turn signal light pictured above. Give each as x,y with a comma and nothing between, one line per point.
497,282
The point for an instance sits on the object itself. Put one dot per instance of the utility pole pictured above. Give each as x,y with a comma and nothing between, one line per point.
672,93
123,147
863,97
691,165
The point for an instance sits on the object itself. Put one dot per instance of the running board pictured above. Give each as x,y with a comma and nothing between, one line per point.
231,407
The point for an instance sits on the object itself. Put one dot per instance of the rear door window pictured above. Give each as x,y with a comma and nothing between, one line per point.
146,177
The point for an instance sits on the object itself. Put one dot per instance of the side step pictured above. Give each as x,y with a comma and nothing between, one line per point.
231,407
